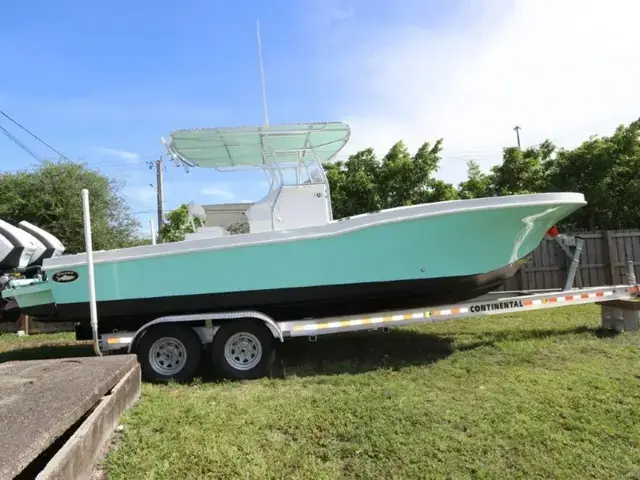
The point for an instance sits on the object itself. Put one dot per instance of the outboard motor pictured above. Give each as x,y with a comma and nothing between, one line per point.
52,246
25,246
22,252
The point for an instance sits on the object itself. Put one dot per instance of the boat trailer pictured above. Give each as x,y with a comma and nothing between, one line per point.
242,344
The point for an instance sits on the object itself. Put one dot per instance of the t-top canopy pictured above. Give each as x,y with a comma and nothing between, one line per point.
258,146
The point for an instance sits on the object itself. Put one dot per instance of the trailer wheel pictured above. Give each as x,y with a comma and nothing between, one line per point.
242,349
169,352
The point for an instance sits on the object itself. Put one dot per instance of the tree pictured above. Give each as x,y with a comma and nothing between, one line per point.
238,228
522,171
478,184
353,184
363,183
607,171
178,225
50,197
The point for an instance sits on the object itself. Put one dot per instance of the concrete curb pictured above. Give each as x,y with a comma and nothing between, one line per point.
77,457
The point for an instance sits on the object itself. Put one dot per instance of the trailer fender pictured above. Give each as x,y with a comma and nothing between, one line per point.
209,317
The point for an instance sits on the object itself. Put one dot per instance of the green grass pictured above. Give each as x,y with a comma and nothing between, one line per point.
42,346
541,395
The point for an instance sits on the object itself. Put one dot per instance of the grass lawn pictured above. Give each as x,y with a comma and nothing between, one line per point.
540,395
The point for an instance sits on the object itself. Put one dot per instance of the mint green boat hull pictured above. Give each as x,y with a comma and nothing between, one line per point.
454,245
404,251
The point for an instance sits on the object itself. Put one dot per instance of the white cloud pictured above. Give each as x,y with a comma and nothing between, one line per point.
145,195
219,192
563,70
129,157
142,200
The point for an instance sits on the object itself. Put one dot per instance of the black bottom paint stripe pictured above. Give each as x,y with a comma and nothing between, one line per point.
285,304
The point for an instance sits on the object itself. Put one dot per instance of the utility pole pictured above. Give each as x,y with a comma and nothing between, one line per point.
159,167
517,129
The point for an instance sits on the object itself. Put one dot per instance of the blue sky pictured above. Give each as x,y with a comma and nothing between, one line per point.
103,81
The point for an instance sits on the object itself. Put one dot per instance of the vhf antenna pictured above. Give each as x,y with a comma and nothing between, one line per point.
264,88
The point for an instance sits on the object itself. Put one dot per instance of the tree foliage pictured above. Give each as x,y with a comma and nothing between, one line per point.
605,169
177,225
239,228
50,197
477,185
365,184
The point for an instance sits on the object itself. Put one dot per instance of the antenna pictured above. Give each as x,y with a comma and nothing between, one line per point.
264,90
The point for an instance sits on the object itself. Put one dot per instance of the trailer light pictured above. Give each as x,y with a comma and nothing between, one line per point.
553,232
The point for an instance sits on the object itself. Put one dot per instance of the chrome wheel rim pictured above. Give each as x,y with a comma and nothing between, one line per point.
167,356
243,351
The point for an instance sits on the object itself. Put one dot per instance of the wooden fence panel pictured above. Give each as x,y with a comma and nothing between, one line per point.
593,261
603,262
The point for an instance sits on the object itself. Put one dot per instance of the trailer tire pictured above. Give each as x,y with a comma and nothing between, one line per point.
169,352
243,350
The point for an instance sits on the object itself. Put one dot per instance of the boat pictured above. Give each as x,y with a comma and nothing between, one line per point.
297,261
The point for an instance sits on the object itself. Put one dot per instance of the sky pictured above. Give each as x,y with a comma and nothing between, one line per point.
103,81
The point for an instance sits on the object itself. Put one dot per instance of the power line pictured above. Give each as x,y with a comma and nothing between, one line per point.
122,163
33,135
150,212
145,161
10,136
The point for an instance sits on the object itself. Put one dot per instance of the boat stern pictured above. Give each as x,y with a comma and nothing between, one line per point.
31,297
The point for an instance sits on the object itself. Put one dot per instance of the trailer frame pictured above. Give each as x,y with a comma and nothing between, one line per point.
618,319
